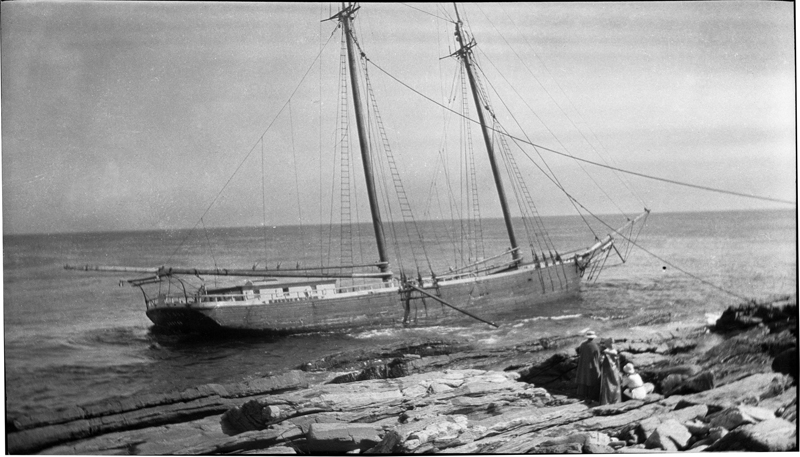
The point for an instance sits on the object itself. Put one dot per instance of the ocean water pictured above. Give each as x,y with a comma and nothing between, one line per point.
74,337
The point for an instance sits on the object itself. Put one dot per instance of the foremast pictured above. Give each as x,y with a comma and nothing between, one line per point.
466,55
346,18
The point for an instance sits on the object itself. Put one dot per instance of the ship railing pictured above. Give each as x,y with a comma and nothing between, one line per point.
170,301
479,272
295,295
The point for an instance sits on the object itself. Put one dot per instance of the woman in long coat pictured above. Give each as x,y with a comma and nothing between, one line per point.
610,378
588,378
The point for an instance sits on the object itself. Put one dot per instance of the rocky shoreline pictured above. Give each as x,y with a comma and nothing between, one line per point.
728,387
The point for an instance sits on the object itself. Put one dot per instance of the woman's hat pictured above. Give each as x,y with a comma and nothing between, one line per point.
628,368
591,334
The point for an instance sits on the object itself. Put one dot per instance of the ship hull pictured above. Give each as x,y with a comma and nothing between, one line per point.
521,293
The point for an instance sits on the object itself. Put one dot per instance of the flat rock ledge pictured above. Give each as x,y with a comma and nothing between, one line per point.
730,392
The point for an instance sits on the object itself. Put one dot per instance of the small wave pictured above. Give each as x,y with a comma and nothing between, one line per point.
377,333
521,322
113,336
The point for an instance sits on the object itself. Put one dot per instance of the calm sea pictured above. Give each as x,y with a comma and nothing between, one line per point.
74,337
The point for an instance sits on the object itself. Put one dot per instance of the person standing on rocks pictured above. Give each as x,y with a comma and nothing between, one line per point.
610,385
588,378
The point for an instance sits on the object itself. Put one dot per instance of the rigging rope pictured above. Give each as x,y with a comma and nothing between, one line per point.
621,170
553,100
423,11
475,228
296,181
345,209
210,247
608,197
264,199
308,70
510,157
552,176
402,198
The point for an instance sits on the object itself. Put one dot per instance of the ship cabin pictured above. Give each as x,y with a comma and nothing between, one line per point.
271,291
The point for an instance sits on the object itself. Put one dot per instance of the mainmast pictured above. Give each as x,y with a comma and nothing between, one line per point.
466,55
346,17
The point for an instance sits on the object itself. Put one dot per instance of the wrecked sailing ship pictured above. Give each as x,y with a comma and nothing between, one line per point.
348,296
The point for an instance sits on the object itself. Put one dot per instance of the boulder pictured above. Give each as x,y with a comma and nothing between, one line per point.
559,366
788,411
647,427
750,389
342,437
772,435
671,383
684,371
714,435
786,362
756,413
696,427
669,435
730,418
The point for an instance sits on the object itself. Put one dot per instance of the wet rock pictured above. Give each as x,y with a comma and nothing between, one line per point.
39,431
657,375
777,313
786,362
559,366
671,382
676,384
264,441
291,380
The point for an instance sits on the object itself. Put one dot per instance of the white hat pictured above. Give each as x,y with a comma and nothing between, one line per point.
628,368
591,334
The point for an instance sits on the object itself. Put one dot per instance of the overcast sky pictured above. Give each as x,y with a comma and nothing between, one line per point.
130,116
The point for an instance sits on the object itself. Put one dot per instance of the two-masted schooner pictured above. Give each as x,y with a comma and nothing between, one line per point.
317,299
